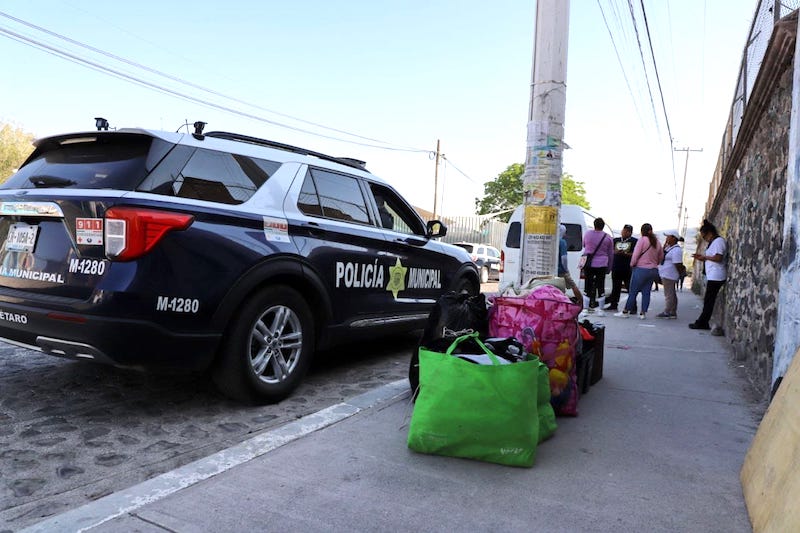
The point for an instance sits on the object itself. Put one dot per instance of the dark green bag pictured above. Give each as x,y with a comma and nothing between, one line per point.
484,412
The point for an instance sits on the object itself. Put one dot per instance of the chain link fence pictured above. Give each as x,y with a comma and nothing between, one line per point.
767,14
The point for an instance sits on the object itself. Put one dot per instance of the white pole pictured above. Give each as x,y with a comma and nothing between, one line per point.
541,182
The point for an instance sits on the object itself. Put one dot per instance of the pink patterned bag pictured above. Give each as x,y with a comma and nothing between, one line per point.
544,321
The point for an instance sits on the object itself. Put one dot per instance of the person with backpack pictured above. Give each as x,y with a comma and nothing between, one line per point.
715,269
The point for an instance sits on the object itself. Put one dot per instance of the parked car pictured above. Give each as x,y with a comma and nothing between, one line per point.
486,258
217,251
574,218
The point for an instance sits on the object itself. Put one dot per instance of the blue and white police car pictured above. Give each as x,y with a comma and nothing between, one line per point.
216,251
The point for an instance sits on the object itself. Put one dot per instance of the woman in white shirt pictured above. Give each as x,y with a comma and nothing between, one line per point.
669,274
716,271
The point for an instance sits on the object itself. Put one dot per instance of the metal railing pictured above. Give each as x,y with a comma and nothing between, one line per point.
767,14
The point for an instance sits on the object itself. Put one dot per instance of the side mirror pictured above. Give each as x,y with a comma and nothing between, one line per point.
436,229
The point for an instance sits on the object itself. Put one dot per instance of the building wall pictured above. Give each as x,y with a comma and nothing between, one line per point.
750,215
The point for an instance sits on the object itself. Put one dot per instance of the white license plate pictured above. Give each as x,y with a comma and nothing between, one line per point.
21,238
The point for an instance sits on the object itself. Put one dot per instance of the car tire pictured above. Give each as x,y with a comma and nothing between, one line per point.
267,348
484,274
465,285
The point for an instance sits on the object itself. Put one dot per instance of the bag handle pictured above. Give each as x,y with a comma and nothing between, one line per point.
474,336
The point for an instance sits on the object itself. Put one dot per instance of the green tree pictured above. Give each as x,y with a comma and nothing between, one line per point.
15,146
504,193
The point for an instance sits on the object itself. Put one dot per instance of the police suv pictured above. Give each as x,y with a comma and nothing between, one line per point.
217,251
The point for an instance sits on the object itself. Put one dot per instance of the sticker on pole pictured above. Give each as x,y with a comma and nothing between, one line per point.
89,231
540,244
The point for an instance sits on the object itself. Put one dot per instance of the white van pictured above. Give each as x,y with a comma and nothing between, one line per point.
572,216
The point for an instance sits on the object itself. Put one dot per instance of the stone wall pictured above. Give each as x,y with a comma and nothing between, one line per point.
749,214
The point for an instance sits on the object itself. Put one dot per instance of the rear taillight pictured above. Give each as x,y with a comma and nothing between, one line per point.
473,257
132,232
502,261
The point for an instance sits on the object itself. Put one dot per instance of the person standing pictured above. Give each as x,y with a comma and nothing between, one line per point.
563,265
716,271
599,250
681,273
673,254
647,254
621,268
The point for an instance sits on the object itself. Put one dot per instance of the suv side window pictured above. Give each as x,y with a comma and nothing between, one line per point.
393,213
222,177
332,195
209,175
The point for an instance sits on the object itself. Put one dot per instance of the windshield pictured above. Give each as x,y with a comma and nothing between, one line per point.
109,162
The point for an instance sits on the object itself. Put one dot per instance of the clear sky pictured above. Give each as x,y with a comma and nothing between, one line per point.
402,72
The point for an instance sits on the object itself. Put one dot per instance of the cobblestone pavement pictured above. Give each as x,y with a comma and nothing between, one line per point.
71,432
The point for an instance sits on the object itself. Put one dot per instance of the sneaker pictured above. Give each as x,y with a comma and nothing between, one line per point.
623,314
663,315
673,317
590,310
642,316
695,325
610,307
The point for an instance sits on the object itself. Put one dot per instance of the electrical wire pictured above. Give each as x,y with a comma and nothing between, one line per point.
644,64
621,65
663,103
459,170
28,40
655,68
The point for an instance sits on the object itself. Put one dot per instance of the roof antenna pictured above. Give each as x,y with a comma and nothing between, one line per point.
198,130
100,123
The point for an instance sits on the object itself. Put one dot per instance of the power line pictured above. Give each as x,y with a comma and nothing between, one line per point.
621,65
97,66
644,64
655,68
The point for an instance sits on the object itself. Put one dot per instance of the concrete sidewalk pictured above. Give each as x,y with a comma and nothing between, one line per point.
657,446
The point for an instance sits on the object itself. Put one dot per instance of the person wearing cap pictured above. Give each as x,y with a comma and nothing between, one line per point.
673,254
621,267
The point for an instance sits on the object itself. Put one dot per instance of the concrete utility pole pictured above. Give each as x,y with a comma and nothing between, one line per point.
541,182
436,181
681,209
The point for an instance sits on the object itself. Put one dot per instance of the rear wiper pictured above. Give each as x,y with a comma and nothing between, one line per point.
51,181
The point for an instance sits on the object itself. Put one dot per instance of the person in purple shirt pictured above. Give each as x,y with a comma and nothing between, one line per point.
597,245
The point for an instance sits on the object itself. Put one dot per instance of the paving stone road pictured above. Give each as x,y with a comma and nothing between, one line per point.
71,432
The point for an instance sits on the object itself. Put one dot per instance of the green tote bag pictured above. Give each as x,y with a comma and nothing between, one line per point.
483,412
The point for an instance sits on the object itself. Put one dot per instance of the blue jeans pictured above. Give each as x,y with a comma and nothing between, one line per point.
641,281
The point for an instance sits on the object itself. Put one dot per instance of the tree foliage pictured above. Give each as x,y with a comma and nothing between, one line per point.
504,193
15,146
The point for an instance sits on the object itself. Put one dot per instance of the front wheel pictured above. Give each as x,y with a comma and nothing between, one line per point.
267,348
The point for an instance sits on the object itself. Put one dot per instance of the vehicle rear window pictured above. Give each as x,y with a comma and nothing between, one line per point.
467,247
94,162
574,236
